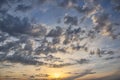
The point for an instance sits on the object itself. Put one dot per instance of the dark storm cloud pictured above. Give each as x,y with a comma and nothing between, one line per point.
86,72
23,8
72,20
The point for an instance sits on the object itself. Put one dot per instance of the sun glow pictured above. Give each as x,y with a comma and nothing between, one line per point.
56,75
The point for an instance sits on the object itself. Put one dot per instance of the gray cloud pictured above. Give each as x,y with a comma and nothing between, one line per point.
116,5
82,61
42,75
23,58
55,32
14,25
60,65
114,76
67,3
72,20
86,72
23,8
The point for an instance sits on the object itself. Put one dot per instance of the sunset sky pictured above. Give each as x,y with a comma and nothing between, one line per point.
59,39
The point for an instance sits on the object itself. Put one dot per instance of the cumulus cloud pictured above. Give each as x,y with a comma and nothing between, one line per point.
102,24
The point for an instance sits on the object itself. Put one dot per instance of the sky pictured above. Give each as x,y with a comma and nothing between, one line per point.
59,40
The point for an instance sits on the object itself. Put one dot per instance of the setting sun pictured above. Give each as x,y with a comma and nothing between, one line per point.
56,75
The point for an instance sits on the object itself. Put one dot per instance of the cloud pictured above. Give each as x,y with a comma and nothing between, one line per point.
45,49
86,72
55,32
103,24
116,5
114,76
89,8
42,75
60,65
12,25
38,30
67,3
3,2
82,61
23,58
23,8
8,46
72,20
15,25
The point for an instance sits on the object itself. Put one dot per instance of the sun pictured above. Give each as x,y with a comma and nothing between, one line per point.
56,75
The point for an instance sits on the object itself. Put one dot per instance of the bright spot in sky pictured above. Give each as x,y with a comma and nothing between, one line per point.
56,75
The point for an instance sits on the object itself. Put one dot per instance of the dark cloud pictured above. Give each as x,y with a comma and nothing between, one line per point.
67,3
3,2
42,75
60,65
86,72
103,25
23,8
114,76
72,20
82,61
38,69
15,25
8,46
23,59
56,41
109,58
38,30
55,32
12,25
73,31
45,49
112,57
3,11
115,5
